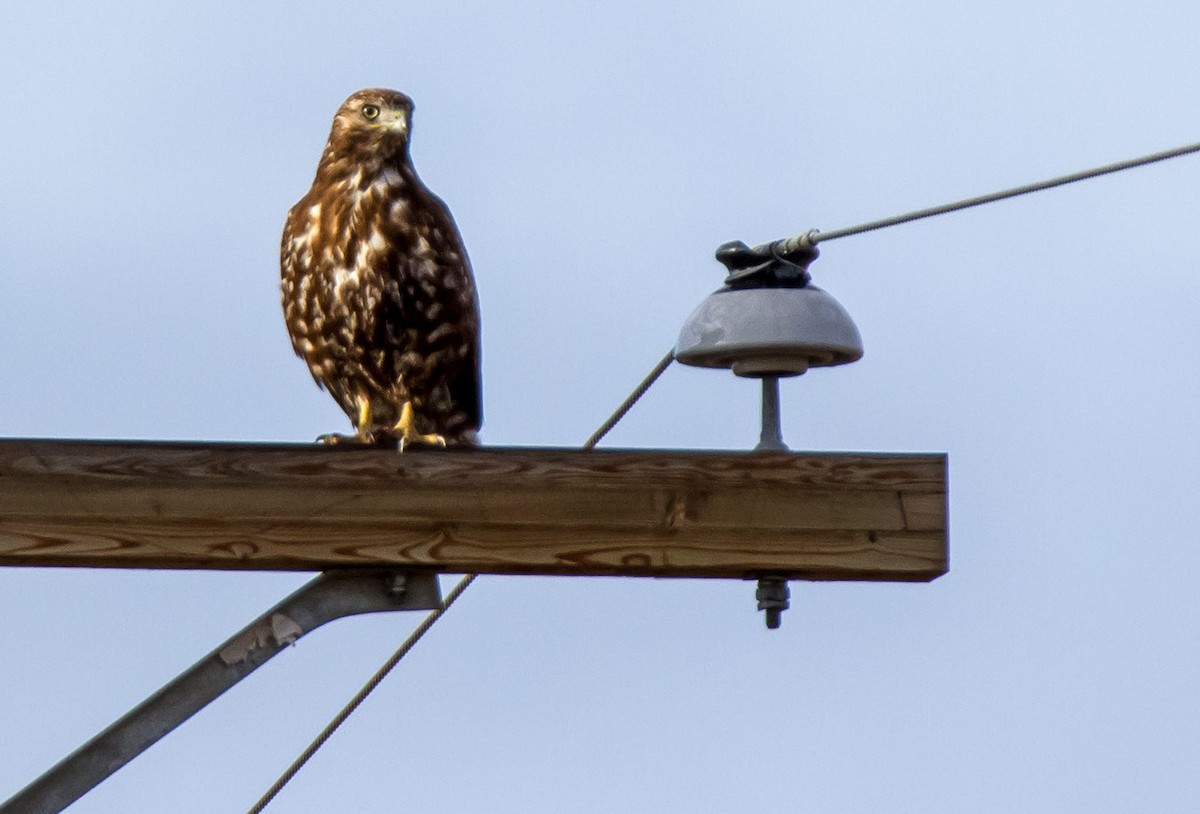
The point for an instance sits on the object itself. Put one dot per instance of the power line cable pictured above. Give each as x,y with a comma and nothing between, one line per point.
361,695
815,236
429,621
627,405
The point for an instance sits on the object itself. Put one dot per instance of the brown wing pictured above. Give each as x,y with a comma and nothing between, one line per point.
466,387
460,304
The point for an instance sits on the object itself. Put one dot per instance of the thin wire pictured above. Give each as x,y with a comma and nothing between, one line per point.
817,236
626,405
432,618
362,694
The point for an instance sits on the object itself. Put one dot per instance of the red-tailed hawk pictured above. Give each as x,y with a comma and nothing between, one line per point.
377,289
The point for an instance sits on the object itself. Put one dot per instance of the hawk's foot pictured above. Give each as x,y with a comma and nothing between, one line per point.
362,435
406,430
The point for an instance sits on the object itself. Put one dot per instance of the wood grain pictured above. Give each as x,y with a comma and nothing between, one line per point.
492,510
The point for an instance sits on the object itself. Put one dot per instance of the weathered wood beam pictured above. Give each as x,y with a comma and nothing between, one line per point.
491,510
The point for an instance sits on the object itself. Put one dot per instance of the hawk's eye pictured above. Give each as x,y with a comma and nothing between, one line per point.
370,112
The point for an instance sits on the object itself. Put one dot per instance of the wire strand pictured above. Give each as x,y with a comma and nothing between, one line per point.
432,618
815,236
362,694
627,405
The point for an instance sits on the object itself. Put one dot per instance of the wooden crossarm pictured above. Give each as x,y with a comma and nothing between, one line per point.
661,513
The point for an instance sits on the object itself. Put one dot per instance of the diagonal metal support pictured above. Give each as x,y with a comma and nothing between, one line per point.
332,595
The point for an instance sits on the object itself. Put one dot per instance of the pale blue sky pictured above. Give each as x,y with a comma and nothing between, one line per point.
594,155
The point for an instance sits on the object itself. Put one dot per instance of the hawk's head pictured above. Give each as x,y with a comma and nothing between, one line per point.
370,126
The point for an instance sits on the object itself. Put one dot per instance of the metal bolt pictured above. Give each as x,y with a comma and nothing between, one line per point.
772,596
771,437
396,585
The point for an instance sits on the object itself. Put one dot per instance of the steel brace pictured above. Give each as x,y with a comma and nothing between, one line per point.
332,595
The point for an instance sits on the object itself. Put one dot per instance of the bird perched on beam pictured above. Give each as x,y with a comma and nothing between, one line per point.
378,294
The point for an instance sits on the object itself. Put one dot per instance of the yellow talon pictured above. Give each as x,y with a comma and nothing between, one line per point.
406,428
362,427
